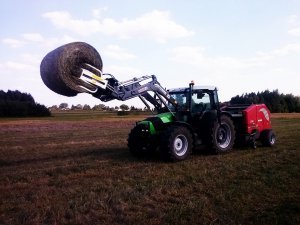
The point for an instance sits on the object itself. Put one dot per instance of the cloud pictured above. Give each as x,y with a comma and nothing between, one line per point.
295,31
116,52
64,20
263,57
16,66
292,19
54,42
98,13
48,43
123,72
287,49
13,43
22,64
34,37
31,58
156,25
193,55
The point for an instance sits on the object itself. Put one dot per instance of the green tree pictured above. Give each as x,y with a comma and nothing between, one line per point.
63,105
275,101
86,107
124,107
18,104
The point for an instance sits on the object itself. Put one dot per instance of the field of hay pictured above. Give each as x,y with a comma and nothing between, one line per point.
75,168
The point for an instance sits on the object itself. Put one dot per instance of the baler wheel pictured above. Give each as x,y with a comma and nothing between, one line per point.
268,138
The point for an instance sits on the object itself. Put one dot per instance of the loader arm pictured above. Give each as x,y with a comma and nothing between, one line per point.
106,88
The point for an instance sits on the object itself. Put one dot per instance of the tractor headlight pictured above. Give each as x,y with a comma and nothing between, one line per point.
145,127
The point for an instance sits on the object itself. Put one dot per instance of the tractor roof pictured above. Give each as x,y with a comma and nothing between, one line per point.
209,88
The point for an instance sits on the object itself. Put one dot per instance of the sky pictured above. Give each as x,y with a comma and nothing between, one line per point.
238,46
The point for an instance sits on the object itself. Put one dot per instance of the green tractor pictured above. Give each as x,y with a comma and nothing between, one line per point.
194,119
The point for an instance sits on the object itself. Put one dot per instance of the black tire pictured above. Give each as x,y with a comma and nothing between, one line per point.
222,135
61,68
137,144
176,143
268,138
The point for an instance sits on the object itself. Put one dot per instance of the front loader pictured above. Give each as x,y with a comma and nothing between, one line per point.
186,117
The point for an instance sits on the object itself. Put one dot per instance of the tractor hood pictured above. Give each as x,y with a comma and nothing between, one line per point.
157,122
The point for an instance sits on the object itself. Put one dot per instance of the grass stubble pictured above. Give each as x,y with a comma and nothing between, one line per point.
79,171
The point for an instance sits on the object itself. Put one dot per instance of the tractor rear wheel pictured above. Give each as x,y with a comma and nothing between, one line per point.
61,68
176,143
222,135
268,138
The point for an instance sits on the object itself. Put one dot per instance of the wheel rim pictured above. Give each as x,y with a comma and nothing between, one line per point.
180,145
224,136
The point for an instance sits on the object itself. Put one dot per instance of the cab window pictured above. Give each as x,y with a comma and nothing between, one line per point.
181,99
200,102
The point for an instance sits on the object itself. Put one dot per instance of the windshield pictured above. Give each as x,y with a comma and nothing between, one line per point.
181,99
200,101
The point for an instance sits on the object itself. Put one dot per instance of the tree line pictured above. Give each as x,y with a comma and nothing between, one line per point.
18,104
276,102
99,107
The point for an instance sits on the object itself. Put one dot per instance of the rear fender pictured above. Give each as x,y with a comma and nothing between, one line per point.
226,114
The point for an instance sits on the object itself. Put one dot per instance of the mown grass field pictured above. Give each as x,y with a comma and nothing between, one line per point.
76,169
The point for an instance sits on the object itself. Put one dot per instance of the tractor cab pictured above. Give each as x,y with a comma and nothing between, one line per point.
193,101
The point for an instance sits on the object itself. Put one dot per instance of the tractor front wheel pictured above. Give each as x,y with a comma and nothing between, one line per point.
176,143
137,145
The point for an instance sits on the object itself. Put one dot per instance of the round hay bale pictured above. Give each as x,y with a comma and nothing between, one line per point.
61,68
